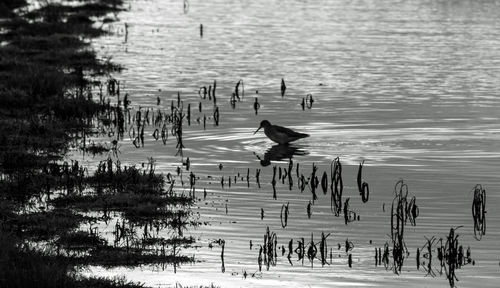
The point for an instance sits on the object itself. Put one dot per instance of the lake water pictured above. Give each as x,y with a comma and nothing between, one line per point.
409,87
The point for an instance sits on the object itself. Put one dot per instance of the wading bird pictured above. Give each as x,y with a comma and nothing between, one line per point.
278,134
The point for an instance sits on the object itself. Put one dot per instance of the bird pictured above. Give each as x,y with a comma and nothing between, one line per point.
279,134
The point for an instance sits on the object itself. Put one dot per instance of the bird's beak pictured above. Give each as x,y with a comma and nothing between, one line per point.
257,130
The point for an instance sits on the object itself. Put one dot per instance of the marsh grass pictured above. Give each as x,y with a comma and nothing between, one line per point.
27,267
109,257
48,76
45,225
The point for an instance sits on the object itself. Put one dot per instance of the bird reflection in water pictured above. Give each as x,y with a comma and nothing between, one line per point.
279,152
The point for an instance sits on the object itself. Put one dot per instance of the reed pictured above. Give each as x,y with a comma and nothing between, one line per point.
257,176
289,173
323,248
270,252
233,100
284,214
398,221
300,250
363,188
256,105
290,251
273,183
216,116
223,266
402,211
452,257
479,211
314,182
302,183
283,88
309,209
312,251
336,186
324,183
308,101
427,255
237,90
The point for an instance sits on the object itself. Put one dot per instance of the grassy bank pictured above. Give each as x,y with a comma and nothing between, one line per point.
48,206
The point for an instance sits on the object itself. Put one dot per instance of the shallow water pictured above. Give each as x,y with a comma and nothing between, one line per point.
409,87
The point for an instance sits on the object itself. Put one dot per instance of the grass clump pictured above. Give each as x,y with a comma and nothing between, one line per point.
109,256
45,225
80,241
22,266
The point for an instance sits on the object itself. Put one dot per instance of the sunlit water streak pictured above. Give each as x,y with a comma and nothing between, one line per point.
411,87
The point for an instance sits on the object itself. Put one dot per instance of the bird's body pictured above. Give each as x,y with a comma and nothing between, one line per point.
278,134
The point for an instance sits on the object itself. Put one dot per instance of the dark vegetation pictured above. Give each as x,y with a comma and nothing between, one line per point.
49,207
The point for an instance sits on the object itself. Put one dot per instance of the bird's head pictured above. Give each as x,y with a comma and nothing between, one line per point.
263,124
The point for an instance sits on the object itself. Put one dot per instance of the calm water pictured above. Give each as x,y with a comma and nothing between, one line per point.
410,87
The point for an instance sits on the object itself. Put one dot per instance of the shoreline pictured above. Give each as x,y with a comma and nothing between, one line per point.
48,105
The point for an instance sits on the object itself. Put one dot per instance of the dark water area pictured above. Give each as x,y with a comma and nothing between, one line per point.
408,87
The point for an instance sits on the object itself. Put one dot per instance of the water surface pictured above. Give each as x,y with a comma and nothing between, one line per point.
409,87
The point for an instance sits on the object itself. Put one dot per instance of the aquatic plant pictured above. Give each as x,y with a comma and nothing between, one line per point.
479,211
237,90
402,211
273,183
336,186
308,102
269,252
451,256
314,182
283,88
427,255
256,105
363,189
398,221
284,215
